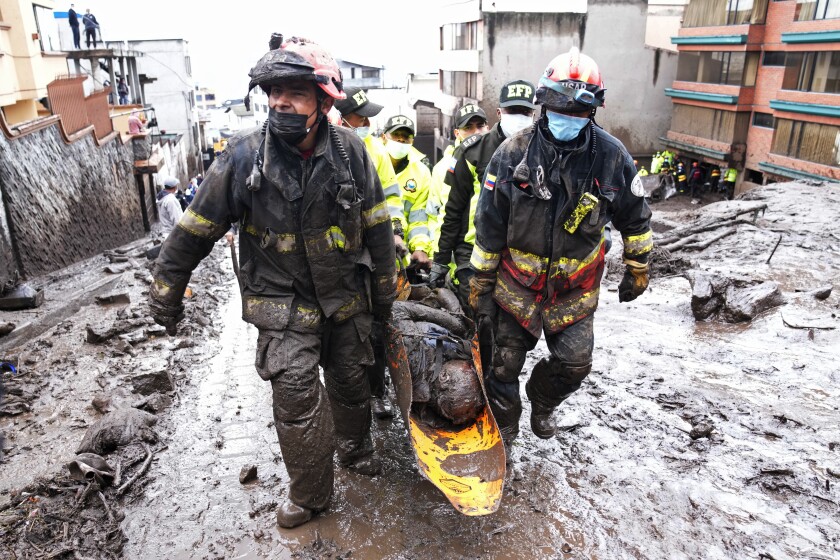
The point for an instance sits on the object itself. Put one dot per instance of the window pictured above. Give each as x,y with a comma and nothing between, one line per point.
199,97
210,97
729,68
817,143
459,36
713,124
764,120
370,73
774,58
807,10
708,13
460,84
813,71
188,65
352,73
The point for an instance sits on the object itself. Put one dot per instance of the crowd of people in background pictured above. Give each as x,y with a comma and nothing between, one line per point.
695,179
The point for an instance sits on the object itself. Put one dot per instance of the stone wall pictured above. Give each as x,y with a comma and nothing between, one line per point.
66,201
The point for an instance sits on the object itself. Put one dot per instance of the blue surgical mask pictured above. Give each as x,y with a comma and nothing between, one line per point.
363,131
564,127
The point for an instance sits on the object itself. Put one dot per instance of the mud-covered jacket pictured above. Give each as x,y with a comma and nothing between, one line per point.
315,231
414,179
540,223
457,234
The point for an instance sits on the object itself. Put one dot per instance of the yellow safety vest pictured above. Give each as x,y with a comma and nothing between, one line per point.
385,171
415,181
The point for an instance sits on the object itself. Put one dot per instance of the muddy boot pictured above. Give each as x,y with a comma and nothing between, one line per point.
369,465
542,421
291,515
381,408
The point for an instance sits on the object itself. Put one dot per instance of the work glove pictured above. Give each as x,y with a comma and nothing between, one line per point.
635,281
481,297
166,315
437,277
382,311
400,246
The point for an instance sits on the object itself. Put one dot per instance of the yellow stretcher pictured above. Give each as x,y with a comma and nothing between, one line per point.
467,465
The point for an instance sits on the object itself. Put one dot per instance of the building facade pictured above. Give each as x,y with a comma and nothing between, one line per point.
484,44
29,58
360,75
758,88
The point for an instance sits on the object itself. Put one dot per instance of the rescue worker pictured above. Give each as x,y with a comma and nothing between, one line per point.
356,111
539,253
695,180
643,172
729,182
515,113
414,179
714,178
317,254
656,163
682,178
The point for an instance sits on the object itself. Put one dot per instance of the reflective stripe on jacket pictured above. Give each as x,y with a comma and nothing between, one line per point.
415,180
387,177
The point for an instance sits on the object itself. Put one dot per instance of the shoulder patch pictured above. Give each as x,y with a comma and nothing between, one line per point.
410,185
636,187
490,182
470,142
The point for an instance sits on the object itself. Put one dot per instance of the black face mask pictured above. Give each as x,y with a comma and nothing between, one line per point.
289,127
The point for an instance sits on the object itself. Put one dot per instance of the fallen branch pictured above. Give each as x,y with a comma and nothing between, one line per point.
694,243
139,473
107,508
118,474
773,252
87,492
677,235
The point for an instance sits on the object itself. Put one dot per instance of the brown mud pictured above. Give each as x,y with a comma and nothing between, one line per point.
689,439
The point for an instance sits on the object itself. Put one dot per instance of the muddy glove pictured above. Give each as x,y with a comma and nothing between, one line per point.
400,246
481,296
437,277
635,281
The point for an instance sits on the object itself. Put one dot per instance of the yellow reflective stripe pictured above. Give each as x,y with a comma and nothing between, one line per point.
567,267
160,289
200,226
352,307
484,261
326,241
251,230
638,244
309,317
528,262
376,215
558,317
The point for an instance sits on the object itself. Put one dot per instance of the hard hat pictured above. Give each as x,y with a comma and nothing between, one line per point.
571,82
298,58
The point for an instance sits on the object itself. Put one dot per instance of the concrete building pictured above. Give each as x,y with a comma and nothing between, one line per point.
30,58
205,98
169,88
758,88
361,75
485,43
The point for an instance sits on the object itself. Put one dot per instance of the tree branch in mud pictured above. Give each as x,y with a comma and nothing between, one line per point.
121,490
696,242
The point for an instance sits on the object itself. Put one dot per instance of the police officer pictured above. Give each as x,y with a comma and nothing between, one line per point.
315,234
539,252
515,113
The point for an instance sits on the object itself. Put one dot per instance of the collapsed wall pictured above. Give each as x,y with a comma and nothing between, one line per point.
65,201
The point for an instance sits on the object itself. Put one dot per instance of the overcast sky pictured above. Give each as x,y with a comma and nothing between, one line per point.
224,43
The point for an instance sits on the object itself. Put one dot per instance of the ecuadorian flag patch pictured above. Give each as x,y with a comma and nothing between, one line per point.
452,162
490,182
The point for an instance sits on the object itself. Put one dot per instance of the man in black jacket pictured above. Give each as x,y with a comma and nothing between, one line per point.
457,234
317,254
73,19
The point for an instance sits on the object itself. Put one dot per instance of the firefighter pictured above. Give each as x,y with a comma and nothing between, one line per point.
681,176
539,253
714,178
457,236
729,181
695,180
317,254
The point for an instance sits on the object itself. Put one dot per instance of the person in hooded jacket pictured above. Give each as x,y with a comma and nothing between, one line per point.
547,196
317,265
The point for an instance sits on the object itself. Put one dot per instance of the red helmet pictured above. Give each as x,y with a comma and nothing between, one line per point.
298,58
571,81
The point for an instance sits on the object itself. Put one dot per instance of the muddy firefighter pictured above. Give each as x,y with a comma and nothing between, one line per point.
317,253
539,254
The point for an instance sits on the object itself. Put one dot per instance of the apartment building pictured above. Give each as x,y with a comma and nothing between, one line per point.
485,43
758,88
361,75
29,58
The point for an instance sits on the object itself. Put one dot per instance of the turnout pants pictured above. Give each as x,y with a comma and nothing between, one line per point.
313,420
552,380
376,371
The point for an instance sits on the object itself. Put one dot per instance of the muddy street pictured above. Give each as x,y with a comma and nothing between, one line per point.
690,439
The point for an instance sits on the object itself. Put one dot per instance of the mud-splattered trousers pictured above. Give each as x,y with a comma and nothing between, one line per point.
540,253
316,254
